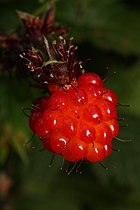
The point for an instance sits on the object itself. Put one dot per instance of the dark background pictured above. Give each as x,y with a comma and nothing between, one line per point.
107,32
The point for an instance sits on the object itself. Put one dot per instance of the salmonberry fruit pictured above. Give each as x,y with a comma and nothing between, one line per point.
78,119
79,122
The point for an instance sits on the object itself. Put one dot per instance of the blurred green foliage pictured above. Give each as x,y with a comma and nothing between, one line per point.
107,32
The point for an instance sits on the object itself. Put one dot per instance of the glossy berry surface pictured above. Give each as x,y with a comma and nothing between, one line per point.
77,121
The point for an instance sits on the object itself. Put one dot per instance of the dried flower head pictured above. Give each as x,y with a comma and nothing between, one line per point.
57,66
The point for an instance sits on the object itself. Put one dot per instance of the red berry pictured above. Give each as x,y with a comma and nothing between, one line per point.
77,96
52,119
108,149
109,95
67,154
86,132
46,142
58,142
75,150
37,124
58,100
95,152
90,78
69,127
93,91
108,109
78,149
103,134
92,114
114,127
36,121
77,121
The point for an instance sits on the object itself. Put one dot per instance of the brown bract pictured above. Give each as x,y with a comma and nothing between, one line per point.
36,27
19,41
